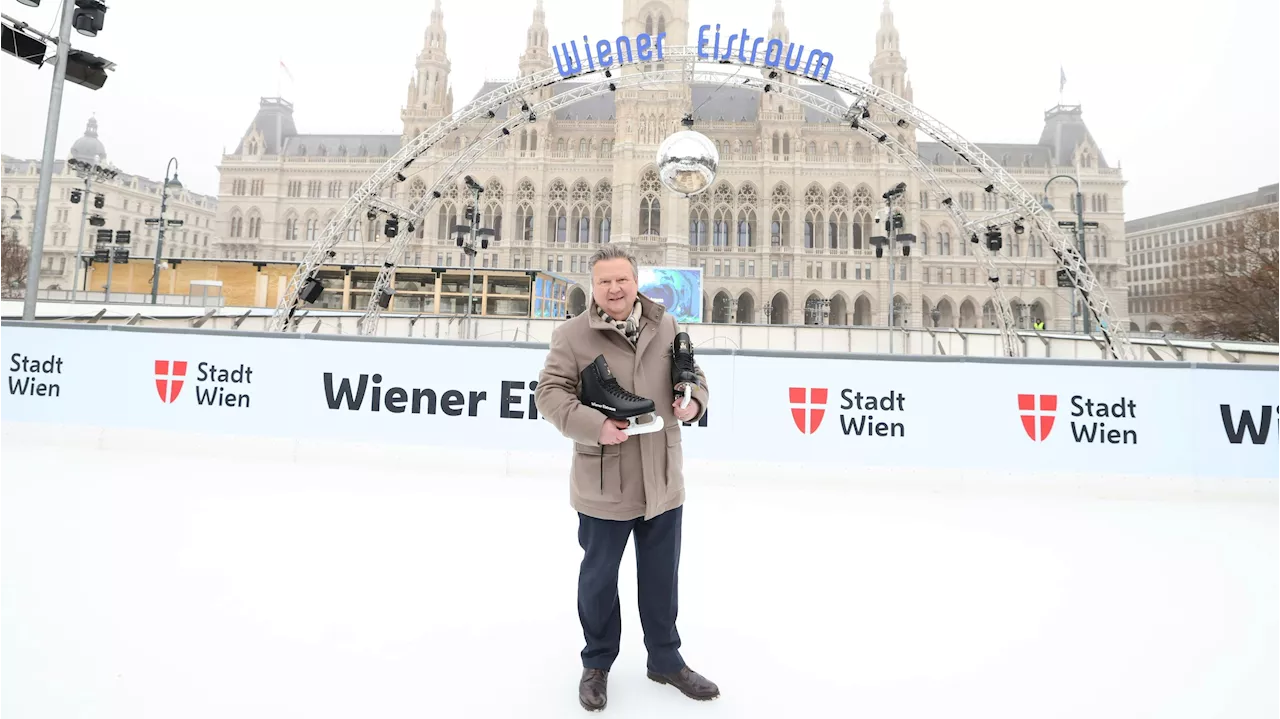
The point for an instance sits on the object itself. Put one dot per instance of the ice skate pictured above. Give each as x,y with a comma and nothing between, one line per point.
683,375
600,389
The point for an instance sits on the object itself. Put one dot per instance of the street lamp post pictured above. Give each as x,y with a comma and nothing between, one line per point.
767,319
89,172
170,185
1084,313
891,240
17,208
479,237
16,217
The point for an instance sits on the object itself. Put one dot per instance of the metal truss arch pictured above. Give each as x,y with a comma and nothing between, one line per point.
683,65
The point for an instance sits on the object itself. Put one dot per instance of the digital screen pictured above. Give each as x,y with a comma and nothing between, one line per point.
678,289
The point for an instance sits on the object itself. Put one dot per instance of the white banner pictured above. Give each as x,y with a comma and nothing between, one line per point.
1001,416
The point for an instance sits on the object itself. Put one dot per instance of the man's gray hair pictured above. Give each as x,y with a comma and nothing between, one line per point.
614,252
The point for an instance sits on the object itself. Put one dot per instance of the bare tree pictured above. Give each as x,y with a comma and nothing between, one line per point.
1235,294
13,267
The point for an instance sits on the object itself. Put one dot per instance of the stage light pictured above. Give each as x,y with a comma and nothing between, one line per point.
994,239
384,297
311,291
89,16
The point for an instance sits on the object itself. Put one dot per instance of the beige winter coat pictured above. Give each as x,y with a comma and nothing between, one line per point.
643,476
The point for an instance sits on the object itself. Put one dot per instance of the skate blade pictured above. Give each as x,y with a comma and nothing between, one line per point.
688,395
644,428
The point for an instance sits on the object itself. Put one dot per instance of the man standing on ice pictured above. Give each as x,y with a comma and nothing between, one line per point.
622,484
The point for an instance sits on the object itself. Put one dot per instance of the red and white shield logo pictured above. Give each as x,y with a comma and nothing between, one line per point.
808,411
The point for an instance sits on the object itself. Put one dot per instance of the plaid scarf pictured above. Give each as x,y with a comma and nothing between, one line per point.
629,328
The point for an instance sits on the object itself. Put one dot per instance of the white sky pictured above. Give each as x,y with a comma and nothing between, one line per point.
1187,99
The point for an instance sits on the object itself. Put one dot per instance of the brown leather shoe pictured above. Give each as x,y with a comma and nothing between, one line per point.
593,689
689,682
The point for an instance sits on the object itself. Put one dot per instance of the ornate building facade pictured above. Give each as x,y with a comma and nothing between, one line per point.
127,201
782,237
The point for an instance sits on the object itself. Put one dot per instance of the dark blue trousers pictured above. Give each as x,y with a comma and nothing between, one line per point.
657,571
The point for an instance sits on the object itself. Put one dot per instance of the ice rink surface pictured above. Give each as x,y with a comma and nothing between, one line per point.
148,581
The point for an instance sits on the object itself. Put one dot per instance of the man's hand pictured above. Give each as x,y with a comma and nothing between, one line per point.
688,413
611,431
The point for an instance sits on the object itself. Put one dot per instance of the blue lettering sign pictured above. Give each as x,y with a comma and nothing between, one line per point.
604,53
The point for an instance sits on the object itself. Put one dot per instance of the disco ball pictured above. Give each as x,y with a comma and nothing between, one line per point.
687,162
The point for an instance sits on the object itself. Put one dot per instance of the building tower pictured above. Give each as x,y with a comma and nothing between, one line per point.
645,117
429,96
781,118
537,55
889,68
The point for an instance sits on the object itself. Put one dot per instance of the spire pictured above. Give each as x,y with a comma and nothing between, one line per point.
889,68
887,36
435,36
779,27
536,57
428,97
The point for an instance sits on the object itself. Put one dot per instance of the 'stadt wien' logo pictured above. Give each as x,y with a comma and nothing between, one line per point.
211,383
1038,414
809,407
169,384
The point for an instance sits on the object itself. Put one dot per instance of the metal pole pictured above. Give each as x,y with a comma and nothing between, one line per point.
46,163
1084,310
84,215
471,281
164,197
155,265
111,256
888,230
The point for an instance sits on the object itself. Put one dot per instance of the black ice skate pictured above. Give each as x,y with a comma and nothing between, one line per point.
600,389
683,375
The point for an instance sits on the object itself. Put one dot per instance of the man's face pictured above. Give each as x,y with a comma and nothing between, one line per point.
614,287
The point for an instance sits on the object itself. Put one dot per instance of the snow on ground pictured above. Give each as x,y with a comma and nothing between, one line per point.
145,581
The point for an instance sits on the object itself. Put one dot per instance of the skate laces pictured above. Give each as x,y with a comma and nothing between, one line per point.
613,385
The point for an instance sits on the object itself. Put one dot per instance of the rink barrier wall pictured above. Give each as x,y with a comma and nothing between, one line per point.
836,414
